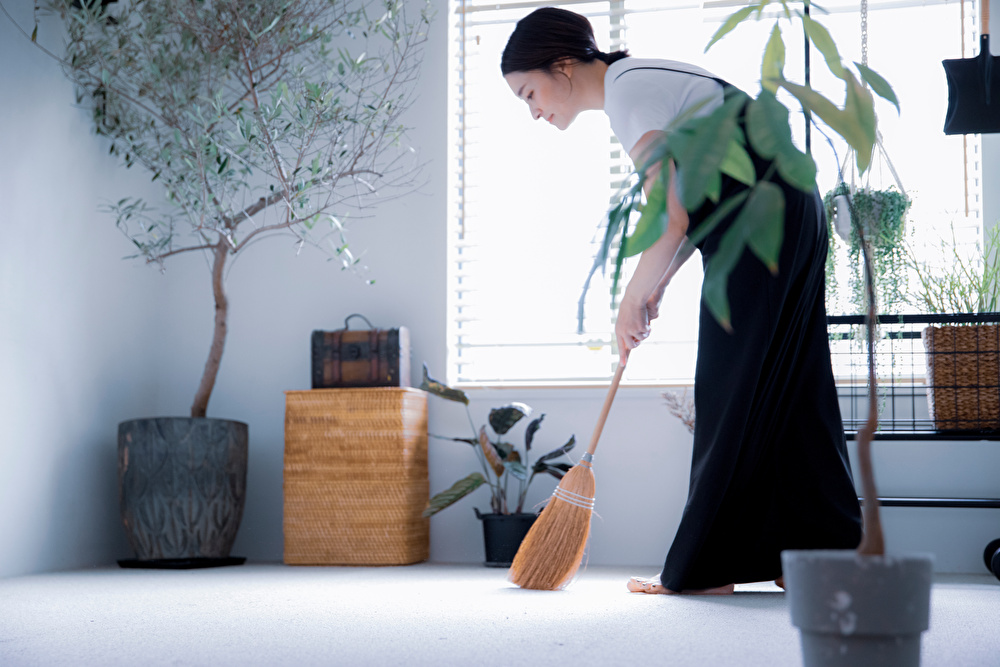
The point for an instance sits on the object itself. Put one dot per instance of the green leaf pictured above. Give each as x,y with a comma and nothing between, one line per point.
441,390
506,451
517,469
820,36
861,106
721,211
557,470
767,126
798,169
702,156
734,20
714,290
764,216
878,84
458,490
503,418
34,33
468,441
270,27
529,433
556,453
653,221
713,189
772,66
848,122
737,164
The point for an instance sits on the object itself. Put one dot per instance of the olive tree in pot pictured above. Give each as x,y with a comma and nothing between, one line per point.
853,607
278,117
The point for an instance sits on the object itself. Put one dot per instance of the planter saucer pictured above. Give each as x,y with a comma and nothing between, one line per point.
180,563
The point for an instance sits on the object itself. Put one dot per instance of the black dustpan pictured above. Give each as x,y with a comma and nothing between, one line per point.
974,87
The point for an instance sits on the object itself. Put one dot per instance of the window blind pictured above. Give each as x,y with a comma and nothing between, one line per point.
527,202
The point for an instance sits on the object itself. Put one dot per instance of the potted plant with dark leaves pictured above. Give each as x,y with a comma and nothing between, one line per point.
853,607
277,118
506,469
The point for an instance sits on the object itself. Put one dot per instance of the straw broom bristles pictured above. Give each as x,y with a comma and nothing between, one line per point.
552,550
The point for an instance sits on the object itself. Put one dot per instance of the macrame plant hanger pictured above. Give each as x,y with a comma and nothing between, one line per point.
842,218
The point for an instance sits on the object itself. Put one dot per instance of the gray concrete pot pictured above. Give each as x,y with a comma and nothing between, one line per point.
181,483
858,611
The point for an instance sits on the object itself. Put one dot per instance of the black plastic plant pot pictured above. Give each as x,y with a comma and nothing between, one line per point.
182,486
502,536
858,611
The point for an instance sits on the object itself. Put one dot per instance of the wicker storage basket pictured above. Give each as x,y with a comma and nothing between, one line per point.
963,376
355,478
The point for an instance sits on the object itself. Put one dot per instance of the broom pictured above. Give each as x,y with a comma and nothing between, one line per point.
552,550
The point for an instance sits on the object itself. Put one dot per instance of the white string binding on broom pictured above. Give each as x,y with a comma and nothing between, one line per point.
583,502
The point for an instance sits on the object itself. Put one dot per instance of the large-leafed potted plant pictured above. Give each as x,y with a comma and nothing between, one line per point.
277,117
505,526
853,607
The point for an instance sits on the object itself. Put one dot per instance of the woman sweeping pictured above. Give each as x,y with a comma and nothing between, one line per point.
769,467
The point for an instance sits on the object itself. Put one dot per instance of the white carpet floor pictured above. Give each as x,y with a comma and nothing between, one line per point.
428,614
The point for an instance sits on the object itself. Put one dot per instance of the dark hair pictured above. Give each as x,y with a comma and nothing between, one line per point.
548,35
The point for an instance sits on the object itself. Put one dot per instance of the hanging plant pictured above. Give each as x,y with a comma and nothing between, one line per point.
882,215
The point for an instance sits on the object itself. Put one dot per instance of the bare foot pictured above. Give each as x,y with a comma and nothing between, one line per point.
780,583
653,586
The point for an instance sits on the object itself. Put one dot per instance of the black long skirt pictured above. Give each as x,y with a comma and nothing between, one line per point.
770,468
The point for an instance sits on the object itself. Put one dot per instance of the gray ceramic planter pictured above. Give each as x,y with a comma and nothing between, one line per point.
182,484
858,611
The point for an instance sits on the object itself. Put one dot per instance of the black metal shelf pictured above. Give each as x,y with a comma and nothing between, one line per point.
967,403
993,436
982,503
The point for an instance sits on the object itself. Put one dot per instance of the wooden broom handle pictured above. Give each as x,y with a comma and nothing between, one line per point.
607,408
984,15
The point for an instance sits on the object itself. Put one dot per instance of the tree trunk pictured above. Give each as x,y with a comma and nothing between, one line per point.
872,540
200,405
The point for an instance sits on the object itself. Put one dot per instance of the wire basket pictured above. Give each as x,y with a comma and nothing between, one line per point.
355,477
935,373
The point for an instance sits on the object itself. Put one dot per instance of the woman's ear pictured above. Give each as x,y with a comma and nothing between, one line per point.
564,67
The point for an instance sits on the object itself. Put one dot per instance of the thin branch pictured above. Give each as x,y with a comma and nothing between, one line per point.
161,257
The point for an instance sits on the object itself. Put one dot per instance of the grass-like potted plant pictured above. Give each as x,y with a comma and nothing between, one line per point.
501,461
278,117
963,359
853,607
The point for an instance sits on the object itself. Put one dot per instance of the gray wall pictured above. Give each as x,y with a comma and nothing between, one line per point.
87,340
78,343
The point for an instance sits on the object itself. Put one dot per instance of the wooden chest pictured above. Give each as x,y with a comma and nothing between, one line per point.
361,358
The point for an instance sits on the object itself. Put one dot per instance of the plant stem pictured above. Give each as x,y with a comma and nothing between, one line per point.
487,468
872,540
200,405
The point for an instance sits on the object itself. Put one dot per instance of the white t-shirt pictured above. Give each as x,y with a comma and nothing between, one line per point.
644,94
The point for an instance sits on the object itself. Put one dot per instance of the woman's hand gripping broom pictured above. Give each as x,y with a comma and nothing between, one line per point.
553,549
